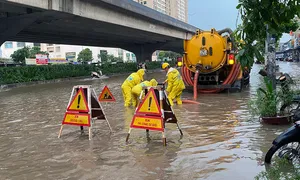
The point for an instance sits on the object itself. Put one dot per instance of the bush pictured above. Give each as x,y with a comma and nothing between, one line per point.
9,75
268,100
281,169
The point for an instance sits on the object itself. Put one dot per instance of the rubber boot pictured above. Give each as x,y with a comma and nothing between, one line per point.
171,101
179,101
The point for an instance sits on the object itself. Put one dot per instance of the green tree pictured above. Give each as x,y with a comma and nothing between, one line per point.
112,58
35,50
256,15
109,58
161,55
85,55
168,54
118,59
174,55
19,55
103,56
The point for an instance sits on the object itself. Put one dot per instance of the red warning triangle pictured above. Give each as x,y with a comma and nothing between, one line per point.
149,106
106,95
79,103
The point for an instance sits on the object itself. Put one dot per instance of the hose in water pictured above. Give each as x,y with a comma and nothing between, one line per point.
189,101
195,84
187,77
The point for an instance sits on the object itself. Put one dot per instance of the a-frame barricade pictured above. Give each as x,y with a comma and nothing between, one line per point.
153,112
83,109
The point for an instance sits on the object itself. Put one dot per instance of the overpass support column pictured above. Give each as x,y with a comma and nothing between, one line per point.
11,26
143,52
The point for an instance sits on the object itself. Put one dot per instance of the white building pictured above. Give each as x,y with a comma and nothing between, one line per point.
62,51
177,9
174,8
9,47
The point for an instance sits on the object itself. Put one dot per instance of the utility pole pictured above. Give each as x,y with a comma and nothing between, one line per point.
270,58
266,46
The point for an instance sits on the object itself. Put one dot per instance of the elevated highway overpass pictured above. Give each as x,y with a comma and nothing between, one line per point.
107,23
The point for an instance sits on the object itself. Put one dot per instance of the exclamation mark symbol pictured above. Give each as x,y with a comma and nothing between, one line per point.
150,99
79,97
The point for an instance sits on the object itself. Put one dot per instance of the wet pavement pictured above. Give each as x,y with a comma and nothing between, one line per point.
221,140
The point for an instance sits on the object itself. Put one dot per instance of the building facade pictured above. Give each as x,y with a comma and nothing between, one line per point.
291,48
175,8
71,52
59,51
9,47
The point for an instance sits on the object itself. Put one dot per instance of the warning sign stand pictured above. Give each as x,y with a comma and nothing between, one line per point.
83,109
106,95
153,115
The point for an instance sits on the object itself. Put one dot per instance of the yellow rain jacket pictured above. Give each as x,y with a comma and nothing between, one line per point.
132,80
175,86
136,90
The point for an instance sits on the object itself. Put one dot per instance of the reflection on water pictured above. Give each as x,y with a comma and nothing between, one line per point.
220,140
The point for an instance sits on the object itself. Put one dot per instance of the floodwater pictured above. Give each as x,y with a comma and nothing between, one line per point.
220,140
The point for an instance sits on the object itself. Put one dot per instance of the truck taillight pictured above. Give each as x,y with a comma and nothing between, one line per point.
179,61
231,59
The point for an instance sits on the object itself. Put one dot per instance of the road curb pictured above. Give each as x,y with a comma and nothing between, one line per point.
32,83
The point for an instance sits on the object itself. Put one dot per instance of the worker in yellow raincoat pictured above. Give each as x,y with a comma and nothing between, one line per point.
136,90
132,80
175,84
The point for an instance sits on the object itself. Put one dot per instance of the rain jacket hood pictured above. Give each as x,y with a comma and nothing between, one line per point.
141,73
153,82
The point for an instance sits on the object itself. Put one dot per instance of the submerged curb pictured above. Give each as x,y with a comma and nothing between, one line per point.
16,85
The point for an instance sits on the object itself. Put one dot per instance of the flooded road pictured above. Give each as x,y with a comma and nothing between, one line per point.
220,140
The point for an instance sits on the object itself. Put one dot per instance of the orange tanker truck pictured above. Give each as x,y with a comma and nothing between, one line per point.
209,64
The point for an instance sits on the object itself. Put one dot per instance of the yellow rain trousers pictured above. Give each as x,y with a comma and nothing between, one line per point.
132,80
136,90
175,86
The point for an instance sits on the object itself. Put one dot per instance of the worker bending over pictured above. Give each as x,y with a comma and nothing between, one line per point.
175,84
132,80
136,90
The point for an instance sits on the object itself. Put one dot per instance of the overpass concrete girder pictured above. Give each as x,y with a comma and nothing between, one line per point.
100,13
105,12
68,37
9,29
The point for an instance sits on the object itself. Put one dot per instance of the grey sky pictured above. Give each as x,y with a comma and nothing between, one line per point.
218,14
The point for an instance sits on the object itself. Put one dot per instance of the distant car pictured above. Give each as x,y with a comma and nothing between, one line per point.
288,59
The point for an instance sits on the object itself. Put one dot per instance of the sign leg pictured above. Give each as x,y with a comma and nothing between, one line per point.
179,129
90,133
81,129
108,125
103,112
128,135
164,139
148,135
60,131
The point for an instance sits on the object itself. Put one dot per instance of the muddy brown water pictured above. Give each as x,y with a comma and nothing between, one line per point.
221,140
